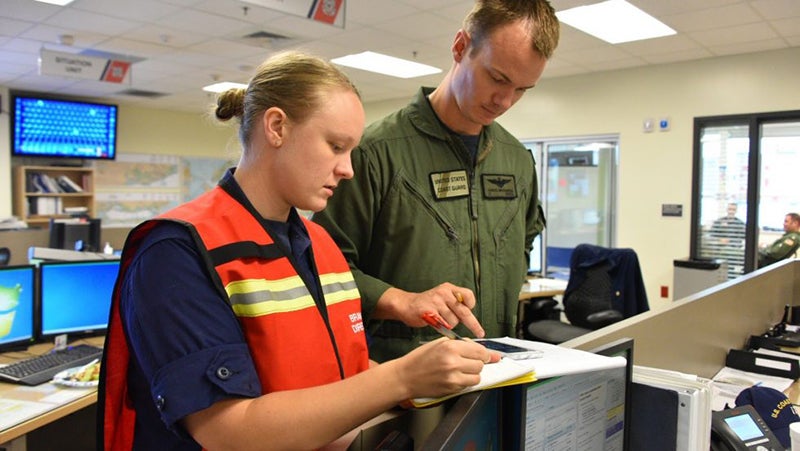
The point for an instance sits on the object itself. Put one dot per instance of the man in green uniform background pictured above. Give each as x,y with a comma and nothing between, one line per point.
443,208
784,246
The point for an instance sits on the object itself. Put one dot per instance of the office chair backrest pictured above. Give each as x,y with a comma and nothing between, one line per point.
5,256
591,296
628,295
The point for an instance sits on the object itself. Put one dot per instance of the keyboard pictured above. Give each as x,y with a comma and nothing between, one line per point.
40,369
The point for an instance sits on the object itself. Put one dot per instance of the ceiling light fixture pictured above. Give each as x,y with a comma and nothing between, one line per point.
223,86
387,65
615,21
56,2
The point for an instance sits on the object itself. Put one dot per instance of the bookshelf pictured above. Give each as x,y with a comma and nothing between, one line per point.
44,192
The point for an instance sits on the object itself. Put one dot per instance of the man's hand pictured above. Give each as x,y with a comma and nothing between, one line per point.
452,302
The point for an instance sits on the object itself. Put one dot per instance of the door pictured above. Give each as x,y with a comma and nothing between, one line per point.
577,192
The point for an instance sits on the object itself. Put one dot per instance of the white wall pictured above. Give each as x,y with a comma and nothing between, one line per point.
655,168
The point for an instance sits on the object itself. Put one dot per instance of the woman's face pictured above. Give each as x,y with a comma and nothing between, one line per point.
315,156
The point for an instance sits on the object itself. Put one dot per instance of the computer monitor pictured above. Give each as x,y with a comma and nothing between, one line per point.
17,301
75,234
75,297
622,348
473,422
576,411
535,263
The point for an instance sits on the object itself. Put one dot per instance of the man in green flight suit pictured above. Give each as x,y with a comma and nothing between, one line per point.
784,246
444,204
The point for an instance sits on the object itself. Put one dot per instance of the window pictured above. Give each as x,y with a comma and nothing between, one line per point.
745,167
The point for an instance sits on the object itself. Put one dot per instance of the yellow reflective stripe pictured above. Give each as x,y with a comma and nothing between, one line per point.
252,285
271,307
256,297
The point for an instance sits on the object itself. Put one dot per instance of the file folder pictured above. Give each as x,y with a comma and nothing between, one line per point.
770,365
681,406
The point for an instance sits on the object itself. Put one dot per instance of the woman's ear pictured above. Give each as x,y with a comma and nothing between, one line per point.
274,126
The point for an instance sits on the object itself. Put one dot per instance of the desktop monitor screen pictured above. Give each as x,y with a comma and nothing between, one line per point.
75,296
622,348
17,297
576,412
535,262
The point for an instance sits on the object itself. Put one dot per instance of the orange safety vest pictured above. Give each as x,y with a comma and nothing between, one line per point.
317,345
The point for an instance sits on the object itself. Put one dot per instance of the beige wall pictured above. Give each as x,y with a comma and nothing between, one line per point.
655,168
140,130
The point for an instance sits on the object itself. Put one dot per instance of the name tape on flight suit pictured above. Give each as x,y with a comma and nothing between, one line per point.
447,185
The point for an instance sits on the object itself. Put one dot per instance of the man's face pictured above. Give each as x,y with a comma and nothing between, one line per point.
487,82
790,225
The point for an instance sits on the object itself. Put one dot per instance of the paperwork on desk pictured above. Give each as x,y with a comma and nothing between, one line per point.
729,382
554,361
24,403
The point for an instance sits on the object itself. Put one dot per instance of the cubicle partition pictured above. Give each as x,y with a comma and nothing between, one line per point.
694,335
20,240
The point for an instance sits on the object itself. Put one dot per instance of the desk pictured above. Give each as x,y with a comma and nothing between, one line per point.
536,288
53,402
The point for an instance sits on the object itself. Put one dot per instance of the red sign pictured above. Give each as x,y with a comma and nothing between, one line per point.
326,10
115,71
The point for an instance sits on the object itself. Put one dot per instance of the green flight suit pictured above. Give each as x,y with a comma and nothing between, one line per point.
782,248
418,213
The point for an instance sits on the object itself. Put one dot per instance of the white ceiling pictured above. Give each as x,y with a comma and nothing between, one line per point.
187,44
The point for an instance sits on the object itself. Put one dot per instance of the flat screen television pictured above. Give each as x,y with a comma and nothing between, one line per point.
44,126
17,301
75,297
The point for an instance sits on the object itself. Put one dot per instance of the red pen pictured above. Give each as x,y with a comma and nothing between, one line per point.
437,322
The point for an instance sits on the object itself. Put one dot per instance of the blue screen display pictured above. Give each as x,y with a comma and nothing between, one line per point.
16,304
45,127
76,296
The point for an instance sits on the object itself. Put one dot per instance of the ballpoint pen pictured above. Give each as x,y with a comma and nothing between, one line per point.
437,322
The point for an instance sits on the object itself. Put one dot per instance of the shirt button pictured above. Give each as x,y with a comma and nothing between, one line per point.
224,373
160,401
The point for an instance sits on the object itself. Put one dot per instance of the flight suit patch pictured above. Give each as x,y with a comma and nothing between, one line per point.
499,186
451,184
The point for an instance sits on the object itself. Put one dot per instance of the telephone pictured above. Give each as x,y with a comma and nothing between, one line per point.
742,429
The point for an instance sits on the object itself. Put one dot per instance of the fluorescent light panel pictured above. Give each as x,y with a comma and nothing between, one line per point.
387,65
223,86
615,21
56,2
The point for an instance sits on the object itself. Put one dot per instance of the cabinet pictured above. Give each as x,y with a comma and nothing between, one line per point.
44,192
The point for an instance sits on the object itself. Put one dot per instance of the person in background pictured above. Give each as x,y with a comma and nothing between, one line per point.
783,247
729,228
236,323
444,207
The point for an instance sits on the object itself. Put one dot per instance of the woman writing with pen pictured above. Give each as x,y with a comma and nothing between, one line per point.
236,323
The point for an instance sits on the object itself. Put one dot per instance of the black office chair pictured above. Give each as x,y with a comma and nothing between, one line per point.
5,256
605,286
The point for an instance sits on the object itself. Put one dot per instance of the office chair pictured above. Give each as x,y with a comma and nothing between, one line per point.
5,256
605,286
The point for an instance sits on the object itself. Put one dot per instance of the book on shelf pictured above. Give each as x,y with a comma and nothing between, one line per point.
45,205
68,185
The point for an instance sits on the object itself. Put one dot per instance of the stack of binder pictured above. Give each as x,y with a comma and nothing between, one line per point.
672,410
